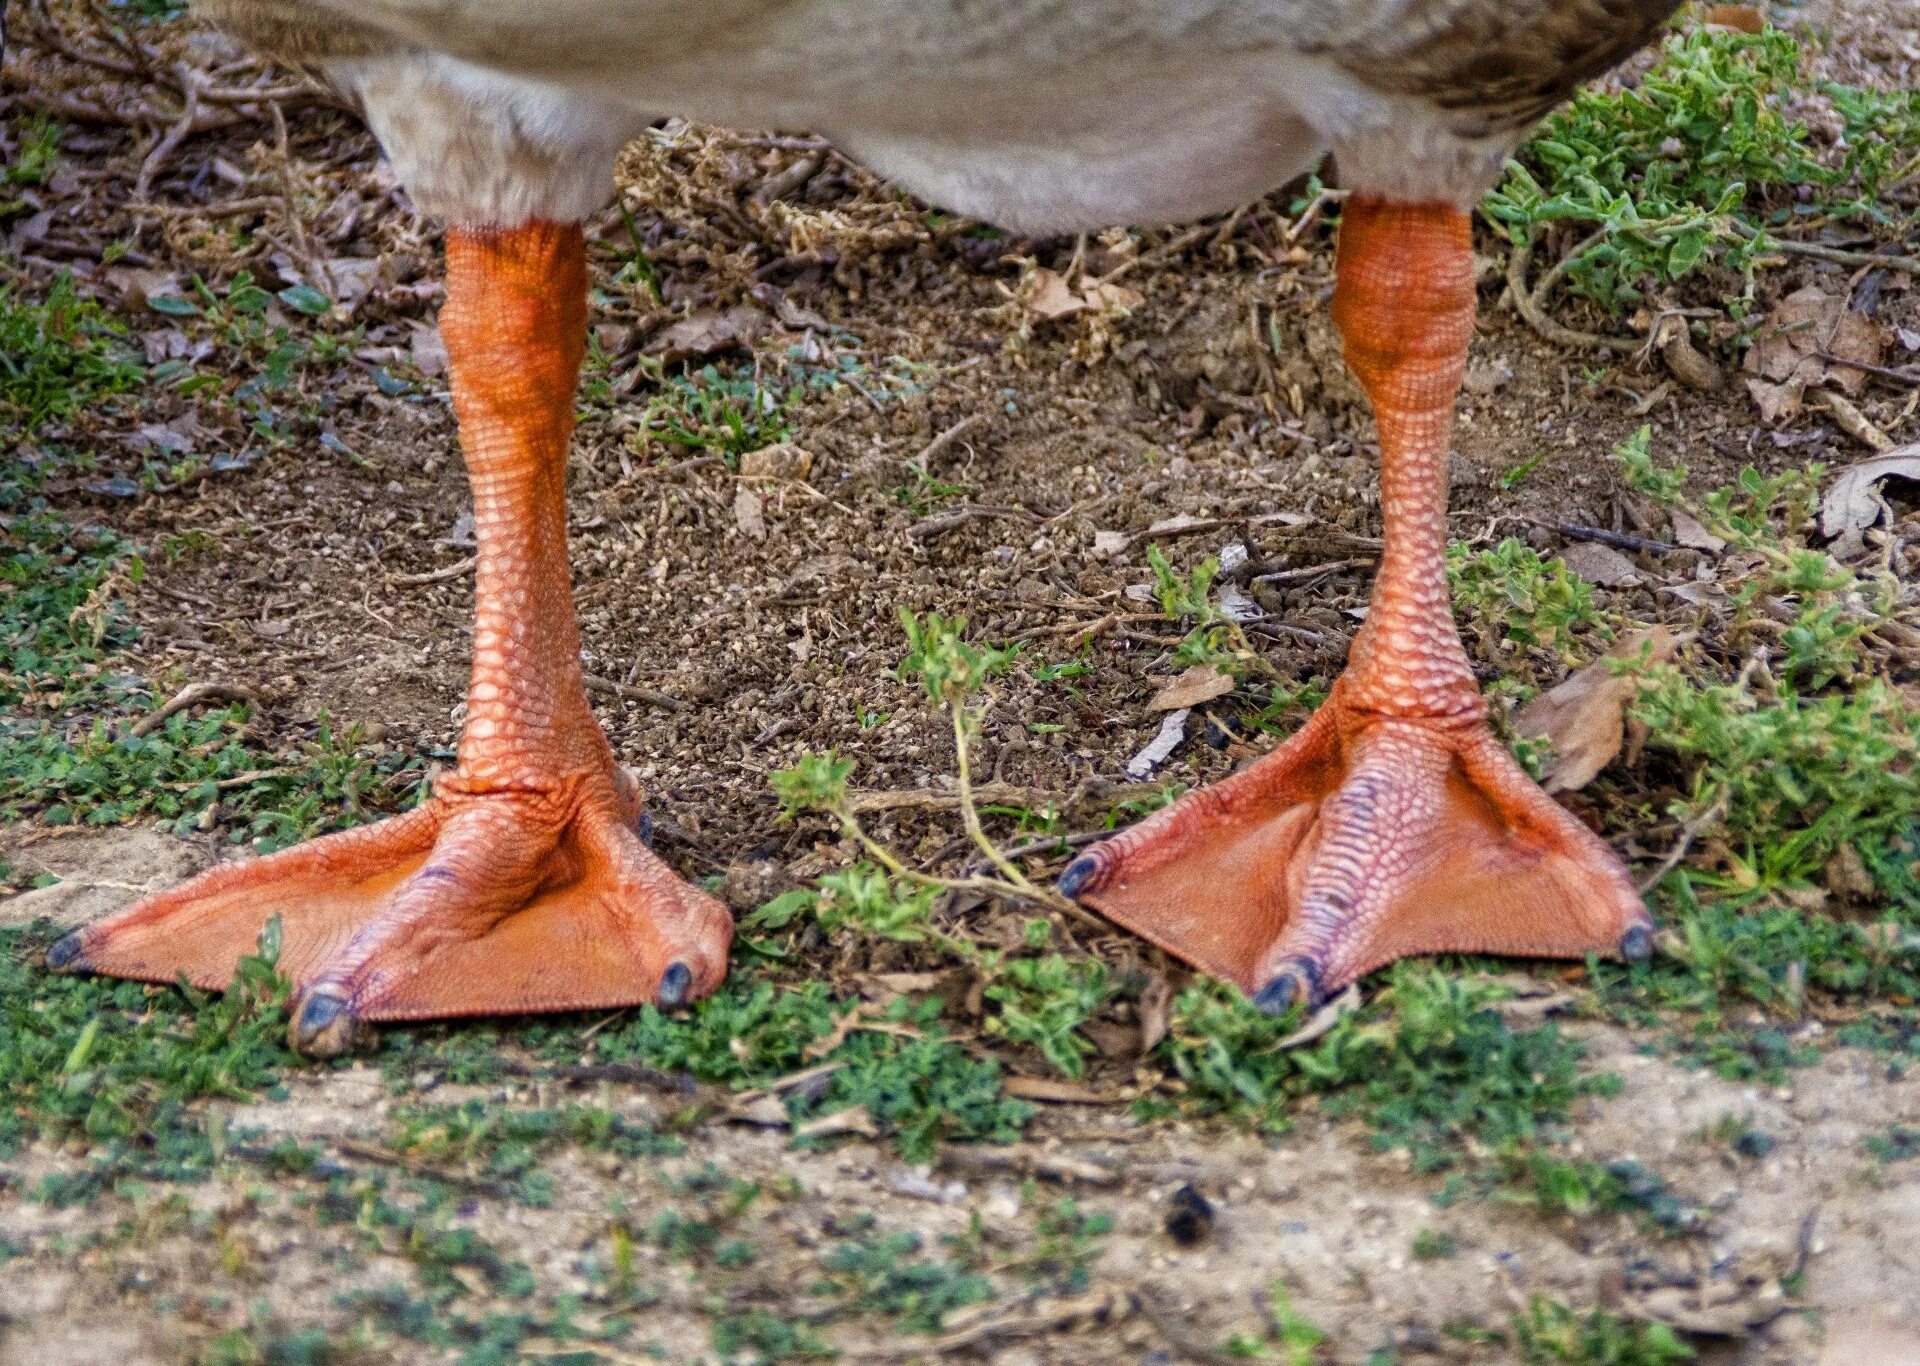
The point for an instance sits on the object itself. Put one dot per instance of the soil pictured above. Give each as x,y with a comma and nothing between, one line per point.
331,585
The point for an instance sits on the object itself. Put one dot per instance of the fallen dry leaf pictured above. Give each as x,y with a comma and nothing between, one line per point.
1585,717
854,1120
1159,749
1323,1019
428,350
1156,1011
1201,683
783,461
747,514
1601,564
1694,536
1789,355
1853,502
1050,297
1055,1092
708,331
1739,18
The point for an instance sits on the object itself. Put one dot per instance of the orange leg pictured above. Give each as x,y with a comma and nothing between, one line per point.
522,885
1393,823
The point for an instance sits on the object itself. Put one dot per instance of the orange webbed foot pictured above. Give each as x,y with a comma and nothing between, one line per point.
491,904
1361,840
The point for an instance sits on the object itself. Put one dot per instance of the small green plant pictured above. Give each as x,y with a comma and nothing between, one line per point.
1693,163
711,410
1550,1332
1430,1245
1044,1001
58,356
883,1274
1510,599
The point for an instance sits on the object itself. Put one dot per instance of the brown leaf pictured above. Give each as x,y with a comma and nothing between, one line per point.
1050,296
1585,715
783,461
1853,503
1201,683
1601,564
1156,1011
1052,1091
1739,18
747,515
708,331
1789,355
1684,359
1694,536
853,1120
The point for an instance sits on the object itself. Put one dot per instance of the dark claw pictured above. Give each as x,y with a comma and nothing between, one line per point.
643,827
65,953
1636,945
1297,981
675,983
324,1027
1078,875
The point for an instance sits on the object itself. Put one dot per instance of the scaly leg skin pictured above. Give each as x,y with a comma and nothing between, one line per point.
522,885
1393,823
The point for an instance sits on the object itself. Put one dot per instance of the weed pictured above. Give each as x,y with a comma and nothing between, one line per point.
117,1063
1694,162
1512,601
883,1274
708,410
1899,1142
1550,1332
1430,1245
1065,1245
1298,1339
58,356
1044,1001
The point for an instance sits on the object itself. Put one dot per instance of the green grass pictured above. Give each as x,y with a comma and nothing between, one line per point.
118,1065
58,356
884,1274
1693,164
1549,1333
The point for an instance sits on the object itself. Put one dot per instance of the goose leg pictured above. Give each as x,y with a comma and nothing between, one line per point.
522,885
1393,822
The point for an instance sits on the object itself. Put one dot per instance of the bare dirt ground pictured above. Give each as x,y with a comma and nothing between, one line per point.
966,455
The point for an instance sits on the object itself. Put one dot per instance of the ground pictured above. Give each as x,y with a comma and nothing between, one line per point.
922,1119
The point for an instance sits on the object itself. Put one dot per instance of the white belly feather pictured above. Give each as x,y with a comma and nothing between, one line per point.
1037,115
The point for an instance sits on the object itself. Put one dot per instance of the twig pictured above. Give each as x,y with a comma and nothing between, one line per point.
1689,831
452,571
1027,1161
1619,540
1884,371
633,692
176,134
931,528
947,438
1177,245
1312,571
192,696
1534,313
1817,252
932,799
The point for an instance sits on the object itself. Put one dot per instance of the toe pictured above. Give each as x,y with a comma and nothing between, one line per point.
1079,876
65,955
324,1026
676,984
1295,982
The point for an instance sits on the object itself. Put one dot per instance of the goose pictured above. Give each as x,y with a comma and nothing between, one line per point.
1392,823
